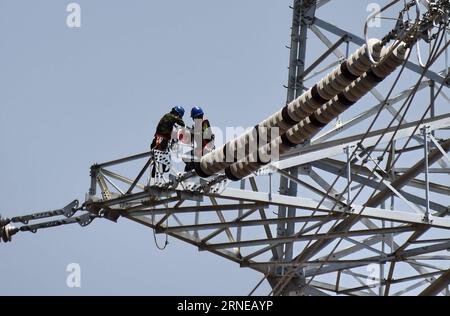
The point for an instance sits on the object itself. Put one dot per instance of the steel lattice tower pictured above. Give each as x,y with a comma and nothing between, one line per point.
358,211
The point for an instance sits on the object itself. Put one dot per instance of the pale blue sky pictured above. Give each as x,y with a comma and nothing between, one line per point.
73,97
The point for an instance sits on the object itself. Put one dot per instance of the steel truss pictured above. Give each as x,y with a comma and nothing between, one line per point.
313,236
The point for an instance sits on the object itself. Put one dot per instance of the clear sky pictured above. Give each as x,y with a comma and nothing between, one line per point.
73,97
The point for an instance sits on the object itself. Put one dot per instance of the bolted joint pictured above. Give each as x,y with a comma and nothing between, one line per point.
308,20
425,129
94,170
281,232
94,174
427,219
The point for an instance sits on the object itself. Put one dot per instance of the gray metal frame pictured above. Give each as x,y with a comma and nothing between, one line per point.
313,236
320,242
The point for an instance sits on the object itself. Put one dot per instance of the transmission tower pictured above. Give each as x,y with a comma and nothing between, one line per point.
361,206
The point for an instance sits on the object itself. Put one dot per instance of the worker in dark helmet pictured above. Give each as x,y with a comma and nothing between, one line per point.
165,127
203,138
202,123
163,136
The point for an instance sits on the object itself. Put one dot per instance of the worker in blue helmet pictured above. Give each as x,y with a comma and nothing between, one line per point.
203,138
164,130
163,136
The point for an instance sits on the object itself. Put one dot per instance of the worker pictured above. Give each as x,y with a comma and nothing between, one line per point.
165,127
163,136
202,135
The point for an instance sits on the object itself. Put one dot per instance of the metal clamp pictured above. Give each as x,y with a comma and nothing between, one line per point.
5,229
4,221
373,15
68,211
6,232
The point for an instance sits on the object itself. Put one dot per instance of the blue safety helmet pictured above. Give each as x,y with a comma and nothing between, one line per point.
196,112
179,110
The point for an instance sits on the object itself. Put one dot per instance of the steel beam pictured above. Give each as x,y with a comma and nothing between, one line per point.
350,264
309,204
339,128
297,238
415,170
319,151
203,208
336,167
437,286
247,223
360,41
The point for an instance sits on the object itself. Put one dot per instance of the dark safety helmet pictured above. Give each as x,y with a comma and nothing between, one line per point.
196,112
179,110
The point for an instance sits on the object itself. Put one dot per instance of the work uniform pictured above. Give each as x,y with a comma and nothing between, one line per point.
208,136
163,135
164,130
207,141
